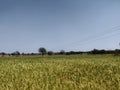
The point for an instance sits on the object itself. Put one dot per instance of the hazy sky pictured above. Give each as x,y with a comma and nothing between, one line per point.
79,25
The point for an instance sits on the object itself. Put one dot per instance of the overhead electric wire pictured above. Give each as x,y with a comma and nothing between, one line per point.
102,35
105,37
98,35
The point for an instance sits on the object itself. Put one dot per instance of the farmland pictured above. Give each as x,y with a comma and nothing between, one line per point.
60,72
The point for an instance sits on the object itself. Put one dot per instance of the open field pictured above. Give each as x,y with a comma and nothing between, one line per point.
72,72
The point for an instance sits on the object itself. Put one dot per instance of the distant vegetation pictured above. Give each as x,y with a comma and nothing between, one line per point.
42,51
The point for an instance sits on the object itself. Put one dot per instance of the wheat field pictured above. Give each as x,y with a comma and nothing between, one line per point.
60,72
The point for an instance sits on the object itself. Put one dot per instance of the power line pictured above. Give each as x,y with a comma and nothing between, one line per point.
105,34
101,34
93,41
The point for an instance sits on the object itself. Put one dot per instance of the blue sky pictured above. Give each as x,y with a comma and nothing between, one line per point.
78,25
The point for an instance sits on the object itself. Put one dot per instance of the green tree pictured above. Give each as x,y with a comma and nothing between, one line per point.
2,53
62,52
17,53
50,52
42,51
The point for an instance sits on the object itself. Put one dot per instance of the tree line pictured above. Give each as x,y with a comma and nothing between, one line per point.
42,51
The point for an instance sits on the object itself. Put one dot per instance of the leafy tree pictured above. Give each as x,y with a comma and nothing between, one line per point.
62,52
42,50
94,51
16,53
72,52
2,53
67,53
116,52
50,53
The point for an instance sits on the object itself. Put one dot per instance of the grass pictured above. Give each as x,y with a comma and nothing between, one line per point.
72,72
